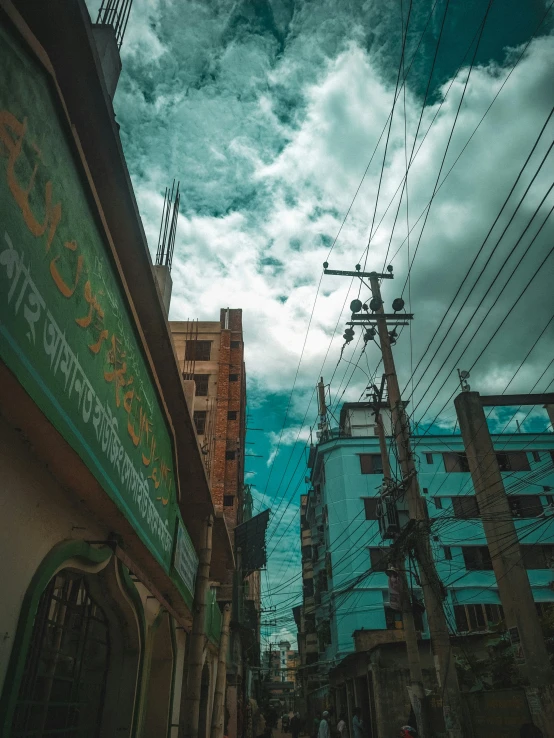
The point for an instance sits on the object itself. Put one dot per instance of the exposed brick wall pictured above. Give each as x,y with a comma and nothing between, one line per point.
226,475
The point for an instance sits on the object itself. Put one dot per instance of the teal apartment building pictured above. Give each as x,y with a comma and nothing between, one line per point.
350,589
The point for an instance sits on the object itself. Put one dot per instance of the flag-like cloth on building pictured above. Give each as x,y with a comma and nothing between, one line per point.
250,539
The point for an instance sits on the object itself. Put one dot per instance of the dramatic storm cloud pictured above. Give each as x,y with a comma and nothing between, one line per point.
268,113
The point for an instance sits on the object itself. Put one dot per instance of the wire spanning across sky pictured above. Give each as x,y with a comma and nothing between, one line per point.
415,134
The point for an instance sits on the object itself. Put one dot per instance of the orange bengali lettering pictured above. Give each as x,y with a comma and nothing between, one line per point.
56,276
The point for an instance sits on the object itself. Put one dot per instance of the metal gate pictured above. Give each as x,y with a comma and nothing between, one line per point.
62,690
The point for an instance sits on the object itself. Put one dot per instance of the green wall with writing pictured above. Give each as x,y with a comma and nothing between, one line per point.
66,330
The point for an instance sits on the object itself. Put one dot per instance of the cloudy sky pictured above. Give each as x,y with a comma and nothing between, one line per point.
274,115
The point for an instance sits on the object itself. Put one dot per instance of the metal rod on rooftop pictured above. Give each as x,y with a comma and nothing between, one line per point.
159,252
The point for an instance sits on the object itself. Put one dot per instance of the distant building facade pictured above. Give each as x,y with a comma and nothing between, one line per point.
280,665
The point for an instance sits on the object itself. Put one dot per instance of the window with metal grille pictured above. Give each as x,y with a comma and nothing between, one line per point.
429,458
475,618
198,350
201,381
233,377
379,558
370,505
62,689
465,507
455,462
537,557
228,500
371,464
235,344
525,506
536,455
477,558
199,418
230,455
232,415
447,553
438,502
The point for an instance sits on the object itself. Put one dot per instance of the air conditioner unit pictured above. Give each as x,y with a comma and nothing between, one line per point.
389,524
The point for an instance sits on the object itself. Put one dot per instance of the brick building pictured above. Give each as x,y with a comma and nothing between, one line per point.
212,355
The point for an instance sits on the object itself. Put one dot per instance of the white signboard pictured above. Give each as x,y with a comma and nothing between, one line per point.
186,560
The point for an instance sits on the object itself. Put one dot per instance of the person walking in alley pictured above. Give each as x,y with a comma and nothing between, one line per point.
357,724
342,729
324,730
295,725
315,726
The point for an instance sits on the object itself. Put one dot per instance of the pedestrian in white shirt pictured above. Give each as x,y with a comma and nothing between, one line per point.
324,731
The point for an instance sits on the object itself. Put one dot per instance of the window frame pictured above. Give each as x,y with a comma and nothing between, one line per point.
428,458
233,377
368,503
200,415
476,617
193,354
543,551
201,385
521,511
457,462
232,414
230,455
382,555
367,462
482,557
465,507
226,499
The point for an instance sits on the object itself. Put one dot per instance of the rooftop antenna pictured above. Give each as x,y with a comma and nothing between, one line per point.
168,226
115,13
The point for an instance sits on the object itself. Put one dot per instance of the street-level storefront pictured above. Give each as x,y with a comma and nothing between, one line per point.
96,563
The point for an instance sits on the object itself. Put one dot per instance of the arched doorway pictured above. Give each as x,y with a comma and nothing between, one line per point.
204,701
160,680
63,687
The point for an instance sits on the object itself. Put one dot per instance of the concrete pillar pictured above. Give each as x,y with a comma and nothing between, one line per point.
218,714
165,285
511,576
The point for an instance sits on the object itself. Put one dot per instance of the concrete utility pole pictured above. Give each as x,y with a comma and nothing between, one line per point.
218,712
500,531
198,635
410,632
430,581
